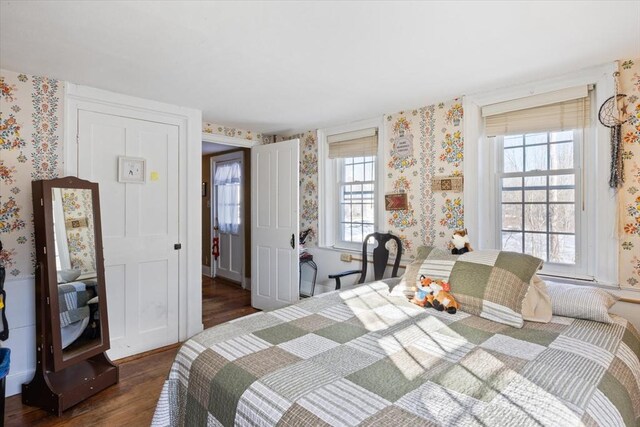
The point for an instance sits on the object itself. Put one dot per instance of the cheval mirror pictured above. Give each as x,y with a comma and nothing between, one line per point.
72,329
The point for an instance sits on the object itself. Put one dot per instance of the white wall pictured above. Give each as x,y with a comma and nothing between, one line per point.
328,261
629,311
21,308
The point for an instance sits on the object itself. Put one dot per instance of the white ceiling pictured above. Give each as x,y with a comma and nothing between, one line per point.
275,67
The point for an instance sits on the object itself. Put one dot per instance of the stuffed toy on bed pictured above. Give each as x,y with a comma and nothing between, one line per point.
426,291
444,301
422,294
460,243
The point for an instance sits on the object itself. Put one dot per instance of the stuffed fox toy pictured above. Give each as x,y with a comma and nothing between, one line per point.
444,301
435,293
460,243
423,293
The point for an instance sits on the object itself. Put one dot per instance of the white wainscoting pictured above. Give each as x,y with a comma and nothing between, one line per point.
328,262
206,270
21,315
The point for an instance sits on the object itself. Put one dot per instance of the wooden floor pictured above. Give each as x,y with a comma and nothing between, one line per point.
132,401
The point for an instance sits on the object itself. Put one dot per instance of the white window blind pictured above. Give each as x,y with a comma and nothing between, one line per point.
548,112
359,143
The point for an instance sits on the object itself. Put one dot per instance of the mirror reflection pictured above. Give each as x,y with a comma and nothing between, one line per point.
78,298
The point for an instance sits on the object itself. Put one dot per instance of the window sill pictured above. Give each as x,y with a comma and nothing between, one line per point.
625,295
345,249
580,281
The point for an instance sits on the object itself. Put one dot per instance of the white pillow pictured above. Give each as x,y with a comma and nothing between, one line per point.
581,302
69,275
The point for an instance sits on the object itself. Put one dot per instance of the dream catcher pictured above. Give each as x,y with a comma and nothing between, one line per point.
613,114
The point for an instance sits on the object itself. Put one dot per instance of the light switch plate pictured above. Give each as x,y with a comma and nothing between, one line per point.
345,257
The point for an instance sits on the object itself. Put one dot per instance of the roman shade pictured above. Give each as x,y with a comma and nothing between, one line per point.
552,111
353,144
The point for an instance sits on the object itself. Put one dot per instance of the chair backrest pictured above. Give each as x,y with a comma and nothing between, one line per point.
380,255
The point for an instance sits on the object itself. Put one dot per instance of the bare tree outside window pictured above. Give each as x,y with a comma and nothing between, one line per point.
537,185
357,197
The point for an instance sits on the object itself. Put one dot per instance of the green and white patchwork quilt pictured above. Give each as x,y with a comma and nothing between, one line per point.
363,357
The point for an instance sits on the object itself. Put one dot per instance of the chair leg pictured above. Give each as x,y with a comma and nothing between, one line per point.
337,283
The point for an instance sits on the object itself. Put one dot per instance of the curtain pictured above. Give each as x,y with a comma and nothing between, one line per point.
227,182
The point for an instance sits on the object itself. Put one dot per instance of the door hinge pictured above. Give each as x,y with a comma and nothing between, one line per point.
177,246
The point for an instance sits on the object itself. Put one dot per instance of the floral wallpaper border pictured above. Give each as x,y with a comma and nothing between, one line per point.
208,127
30,149
629,194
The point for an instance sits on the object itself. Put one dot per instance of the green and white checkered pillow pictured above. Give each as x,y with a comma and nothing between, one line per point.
492,284
432,262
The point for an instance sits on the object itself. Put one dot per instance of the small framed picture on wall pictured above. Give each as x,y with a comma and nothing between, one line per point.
132,170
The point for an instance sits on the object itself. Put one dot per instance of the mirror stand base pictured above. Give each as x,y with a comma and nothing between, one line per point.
57,391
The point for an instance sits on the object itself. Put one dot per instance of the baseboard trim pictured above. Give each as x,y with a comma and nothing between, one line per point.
206,270
15,381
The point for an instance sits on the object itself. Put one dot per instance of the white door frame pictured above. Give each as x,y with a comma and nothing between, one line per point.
222,159
232,142
189,122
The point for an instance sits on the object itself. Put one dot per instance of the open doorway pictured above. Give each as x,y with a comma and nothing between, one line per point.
226,230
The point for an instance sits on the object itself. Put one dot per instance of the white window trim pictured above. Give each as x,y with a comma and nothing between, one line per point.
559,270
600,201
327,185
339,162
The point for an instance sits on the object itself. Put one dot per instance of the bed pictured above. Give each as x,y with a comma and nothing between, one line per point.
365,357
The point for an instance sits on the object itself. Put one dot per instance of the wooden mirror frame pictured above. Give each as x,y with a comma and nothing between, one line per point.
58,383
50,272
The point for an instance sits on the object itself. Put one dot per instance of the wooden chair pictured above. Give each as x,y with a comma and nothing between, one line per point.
380,259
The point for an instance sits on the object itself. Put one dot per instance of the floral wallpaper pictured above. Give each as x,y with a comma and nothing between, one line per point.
436,148
30,149
77,204
629,194
308,183
434,137
237,133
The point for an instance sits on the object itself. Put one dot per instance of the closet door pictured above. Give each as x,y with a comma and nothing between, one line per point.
140,227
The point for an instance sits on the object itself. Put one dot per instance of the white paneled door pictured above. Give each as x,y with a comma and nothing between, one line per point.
275,224
139,227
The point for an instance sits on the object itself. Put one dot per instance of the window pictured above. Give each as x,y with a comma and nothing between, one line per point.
538,177
356,189
538,195
349,193
508,176
227,186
